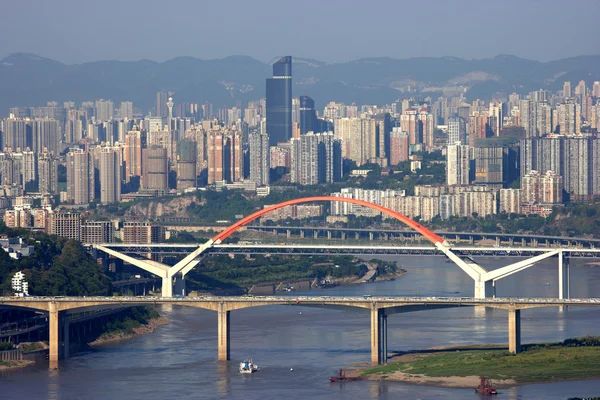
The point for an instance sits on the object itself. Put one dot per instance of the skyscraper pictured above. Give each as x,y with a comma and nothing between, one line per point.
186,164
259,158
80,177
458,164
398,146
457,130
279,102
133,154
155,168
48,173
161,104
308,116
110,176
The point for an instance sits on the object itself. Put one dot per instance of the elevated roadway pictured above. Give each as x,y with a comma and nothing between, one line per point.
378,307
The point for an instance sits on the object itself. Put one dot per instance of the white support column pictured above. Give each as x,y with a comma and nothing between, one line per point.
563,276
167,287
484,289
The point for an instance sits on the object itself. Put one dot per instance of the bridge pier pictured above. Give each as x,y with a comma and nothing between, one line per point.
224,336
53,333
356,235
514,331
378,336
484,289
288,234
301,234
371,236
316,234
343,235
329,235
564,273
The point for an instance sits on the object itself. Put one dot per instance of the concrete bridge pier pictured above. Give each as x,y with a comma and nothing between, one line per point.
343,235
316,234
329,235
288,234
53,331
371,236
301,234
514,331
356,236
564,273
224,335
378,336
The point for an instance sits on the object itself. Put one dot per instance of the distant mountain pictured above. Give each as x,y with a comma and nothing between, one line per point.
30,80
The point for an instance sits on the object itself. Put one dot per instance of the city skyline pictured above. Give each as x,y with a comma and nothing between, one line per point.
464,29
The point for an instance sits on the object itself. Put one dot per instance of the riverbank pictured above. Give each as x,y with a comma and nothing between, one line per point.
15,364
461,367
119,335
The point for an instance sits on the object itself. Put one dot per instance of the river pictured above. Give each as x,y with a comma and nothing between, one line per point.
298,348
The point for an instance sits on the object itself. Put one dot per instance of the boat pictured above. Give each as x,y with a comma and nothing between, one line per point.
341,377
248,367
485,387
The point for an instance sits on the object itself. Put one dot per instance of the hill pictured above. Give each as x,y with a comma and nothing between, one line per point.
29,80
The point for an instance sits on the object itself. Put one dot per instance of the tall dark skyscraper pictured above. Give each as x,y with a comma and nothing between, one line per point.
308,116
279,102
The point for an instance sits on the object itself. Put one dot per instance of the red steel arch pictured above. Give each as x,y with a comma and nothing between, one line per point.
429,235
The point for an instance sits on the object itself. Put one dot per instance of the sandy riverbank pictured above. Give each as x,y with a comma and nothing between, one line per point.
140,330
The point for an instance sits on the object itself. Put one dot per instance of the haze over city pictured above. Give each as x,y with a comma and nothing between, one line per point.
73,31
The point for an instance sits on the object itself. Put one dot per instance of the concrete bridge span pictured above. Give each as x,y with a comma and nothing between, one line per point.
379,308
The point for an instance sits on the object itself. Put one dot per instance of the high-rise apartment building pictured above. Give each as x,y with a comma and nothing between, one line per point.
142,232
104,110
308,115
132,154
259,158
65,224
186,164
398,146
17,134
110,175
46,134
48,173
225,156
316,158
161,105
569,118
155,168
80,177
279,102
458,161
457,130
126,110
97,232
567,90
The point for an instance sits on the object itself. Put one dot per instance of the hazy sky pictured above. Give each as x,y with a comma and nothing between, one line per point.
74,31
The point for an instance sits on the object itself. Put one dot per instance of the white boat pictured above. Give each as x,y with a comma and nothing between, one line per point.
248,367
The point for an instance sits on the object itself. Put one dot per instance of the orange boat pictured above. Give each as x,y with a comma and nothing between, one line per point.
485,387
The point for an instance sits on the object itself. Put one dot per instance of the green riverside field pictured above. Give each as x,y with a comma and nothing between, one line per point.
572,359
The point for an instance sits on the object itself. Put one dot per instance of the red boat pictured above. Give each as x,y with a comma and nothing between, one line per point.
341,377
485,387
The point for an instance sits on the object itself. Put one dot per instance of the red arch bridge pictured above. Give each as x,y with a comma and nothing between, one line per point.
484,280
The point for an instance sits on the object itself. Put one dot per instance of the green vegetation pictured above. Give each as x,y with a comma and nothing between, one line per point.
125,322
6,346
31,347
58,267
225,272
572,359
571,220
